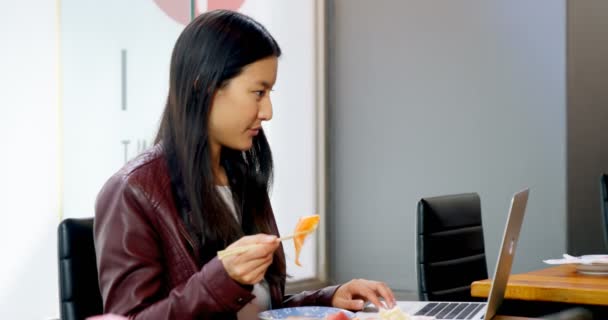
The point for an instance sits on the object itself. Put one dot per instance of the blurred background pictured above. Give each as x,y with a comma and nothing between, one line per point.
378,103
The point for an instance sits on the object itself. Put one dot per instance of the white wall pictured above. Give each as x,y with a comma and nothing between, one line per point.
96,123
436,97
423,101
29,183
62,139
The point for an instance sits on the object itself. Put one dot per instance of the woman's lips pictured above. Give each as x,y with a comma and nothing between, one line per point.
254,131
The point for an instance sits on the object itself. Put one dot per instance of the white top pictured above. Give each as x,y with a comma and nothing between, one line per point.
261,302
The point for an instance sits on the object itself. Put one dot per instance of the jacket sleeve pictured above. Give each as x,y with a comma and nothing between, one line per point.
130,264
321,297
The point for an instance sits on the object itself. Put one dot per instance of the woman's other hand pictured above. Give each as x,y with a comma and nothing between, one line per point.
353,295
250,266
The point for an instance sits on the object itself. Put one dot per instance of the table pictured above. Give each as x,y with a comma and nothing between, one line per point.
554,284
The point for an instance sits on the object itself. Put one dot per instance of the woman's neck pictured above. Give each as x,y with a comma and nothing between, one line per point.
219,176
219,173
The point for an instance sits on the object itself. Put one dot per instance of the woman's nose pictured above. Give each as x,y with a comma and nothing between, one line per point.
265,112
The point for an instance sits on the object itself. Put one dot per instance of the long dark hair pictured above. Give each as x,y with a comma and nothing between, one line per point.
212,49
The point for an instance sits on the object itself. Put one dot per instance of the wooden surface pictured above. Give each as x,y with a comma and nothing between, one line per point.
556,284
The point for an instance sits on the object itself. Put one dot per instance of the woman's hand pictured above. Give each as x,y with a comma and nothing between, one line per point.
353,295
250,266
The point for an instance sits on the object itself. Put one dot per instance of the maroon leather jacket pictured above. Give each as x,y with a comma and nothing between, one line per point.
145,260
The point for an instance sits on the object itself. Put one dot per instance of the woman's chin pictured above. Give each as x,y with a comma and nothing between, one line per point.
244,146
240,145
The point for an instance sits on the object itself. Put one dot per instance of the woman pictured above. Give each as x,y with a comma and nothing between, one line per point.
203,187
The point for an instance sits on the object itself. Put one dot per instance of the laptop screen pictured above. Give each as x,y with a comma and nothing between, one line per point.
507,252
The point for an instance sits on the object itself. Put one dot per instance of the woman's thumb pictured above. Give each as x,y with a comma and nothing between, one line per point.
351,304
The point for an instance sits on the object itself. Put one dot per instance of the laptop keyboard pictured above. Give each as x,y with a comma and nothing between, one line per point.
450,310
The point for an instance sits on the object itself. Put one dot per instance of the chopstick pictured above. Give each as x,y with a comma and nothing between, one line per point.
291,236
236,250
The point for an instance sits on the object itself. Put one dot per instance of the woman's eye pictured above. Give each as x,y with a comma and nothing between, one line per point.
260,93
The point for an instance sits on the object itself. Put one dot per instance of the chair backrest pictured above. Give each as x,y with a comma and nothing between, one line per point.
79,294
576,313
450,247
604,204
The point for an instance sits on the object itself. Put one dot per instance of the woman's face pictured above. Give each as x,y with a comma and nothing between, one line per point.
239,108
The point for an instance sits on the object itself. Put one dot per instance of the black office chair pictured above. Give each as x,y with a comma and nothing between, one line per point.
576,313
604,204
79,294
451,251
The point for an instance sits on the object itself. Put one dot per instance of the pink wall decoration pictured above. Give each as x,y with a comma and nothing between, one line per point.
223,4
180,10
176,10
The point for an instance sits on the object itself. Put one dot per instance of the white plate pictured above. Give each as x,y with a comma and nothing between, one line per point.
312,312
602,257
594,269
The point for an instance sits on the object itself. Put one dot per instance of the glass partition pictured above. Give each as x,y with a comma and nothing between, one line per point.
115,59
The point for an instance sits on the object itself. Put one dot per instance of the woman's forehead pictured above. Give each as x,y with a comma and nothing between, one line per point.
262,72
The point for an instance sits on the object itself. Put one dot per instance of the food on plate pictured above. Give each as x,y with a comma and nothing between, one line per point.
393,314
337,316
304,227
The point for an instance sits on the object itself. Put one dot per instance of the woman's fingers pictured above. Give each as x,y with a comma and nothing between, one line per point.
257,274
251,246
366,291
259,238
250,266
385,292
247,271
350,294
262,249
349,304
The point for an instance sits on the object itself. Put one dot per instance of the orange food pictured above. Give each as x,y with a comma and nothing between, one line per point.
304,227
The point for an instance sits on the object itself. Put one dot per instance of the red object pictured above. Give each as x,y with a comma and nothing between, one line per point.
338,316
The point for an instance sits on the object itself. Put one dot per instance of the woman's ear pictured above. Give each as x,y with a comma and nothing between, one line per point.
219,90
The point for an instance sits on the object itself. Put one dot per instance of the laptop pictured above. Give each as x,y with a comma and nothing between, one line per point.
479,310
